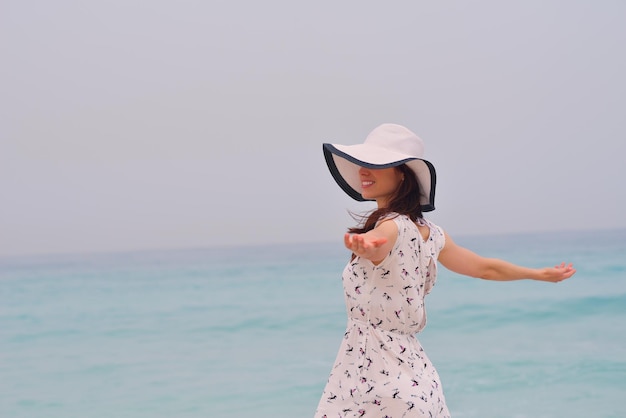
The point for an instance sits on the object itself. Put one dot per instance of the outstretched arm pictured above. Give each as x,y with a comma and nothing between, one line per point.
375,244
463,261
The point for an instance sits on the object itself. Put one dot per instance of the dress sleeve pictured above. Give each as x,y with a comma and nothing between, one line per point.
441,238
438,242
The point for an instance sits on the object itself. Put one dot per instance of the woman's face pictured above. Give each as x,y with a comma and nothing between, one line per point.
379,184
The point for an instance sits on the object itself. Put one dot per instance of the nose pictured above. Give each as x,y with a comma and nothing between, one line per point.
364,171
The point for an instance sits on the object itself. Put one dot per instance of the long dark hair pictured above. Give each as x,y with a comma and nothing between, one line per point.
405,201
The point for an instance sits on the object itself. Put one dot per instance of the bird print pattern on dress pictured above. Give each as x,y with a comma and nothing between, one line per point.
381,369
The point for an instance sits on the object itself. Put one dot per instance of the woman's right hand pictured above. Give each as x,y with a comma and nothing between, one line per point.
373,245
362,245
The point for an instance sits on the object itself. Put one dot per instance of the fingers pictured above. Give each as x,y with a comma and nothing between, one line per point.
359,243
350,242
569,271
355,242
563,271
569,266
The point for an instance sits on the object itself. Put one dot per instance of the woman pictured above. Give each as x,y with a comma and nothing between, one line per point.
381,369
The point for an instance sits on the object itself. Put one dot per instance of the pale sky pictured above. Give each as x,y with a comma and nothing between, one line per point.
129,125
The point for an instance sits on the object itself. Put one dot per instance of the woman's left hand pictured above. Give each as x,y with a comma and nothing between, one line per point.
557,273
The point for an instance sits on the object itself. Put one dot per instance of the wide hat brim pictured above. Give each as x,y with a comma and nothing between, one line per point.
344,161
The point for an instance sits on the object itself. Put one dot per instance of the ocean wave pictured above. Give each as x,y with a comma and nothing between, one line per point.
568,310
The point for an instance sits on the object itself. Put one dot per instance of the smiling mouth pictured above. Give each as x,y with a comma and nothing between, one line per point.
366,184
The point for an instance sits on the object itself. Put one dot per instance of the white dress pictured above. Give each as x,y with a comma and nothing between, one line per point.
381,370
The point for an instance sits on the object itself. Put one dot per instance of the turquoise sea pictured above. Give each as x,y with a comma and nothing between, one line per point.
253,332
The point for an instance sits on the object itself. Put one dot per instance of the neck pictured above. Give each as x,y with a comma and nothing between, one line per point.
382,203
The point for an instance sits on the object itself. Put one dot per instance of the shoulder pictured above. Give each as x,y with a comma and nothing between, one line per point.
387,226
397,219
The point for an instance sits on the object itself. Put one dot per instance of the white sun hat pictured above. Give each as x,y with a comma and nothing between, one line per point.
389,145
